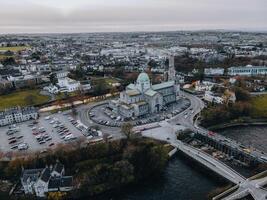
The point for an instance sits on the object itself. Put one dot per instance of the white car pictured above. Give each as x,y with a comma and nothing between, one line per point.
23,146
52,122
47,118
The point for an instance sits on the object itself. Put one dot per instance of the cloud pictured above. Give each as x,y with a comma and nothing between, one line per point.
123,15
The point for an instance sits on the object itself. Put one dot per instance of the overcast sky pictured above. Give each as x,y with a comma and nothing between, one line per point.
54,16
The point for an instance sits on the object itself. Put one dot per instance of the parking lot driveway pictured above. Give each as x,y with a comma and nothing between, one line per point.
27,133
102,115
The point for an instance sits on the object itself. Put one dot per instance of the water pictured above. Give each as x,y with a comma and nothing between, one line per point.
255,136
182,180
186,180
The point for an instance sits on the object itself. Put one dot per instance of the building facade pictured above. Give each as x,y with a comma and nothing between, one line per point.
144,98
44,180
17,115
248,71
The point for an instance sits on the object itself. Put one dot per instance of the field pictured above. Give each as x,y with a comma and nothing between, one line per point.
259,105
14,49
2,57
18,99
107,80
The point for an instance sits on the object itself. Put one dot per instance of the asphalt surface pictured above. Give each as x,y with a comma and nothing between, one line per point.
29,138
186,119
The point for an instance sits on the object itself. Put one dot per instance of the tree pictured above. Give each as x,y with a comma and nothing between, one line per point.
8,61
100,88
29,99
148,160
113,91
53,79
242,94
127,129
56,195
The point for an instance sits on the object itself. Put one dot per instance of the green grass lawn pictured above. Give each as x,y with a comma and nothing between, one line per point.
259,105
18,99
14,49
107,80
3,57
62,95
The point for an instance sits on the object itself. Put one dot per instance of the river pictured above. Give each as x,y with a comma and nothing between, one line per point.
255,136
186,180
182,180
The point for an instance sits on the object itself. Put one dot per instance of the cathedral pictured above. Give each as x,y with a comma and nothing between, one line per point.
144,98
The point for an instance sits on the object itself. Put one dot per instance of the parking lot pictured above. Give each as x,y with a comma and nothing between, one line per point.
46,132
101,114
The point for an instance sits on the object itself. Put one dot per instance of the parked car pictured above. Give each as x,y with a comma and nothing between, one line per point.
23,146
12,141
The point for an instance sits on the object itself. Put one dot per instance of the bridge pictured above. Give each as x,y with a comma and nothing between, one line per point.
209,162
243,187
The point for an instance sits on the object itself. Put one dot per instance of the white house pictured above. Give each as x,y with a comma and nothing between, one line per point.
17,115
49,179
213,71
210,97
68,85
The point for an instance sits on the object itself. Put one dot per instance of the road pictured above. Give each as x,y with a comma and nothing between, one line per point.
197,105
84,117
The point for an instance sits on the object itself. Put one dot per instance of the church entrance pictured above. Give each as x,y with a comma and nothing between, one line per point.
157,107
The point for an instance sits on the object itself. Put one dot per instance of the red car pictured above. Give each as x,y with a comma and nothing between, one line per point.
35,133
211,133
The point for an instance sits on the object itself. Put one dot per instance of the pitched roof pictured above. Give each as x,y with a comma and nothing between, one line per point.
132,92
66,181
32,174
130,86
163,85
54,183
150,92
46,174
58,167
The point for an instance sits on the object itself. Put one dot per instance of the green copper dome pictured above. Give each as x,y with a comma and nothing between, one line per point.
143,77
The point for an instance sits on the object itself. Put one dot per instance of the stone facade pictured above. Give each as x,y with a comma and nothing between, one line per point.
143,98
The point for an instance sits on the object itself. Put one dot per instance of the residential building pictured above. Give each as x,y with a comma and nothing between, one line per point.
44,180
17,115
249,70
214,71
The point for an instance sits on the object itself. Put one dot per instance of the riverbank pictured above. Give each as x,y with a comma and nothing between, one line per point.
102,167
238,123
251,136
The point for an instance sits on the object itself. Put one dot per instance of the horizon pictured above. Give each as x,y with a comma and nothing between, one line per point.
96,16
140,32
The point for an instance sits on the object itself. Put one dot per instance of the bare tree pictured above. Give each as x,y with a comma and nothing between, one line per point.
127,129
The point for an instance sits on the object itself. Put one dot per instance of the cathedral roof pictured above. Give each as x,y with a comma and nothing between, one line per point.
163,85
143,77
150,92
133,92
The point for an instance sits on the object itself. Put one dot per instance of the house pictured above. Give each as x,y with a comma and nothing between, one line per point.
210,97
213,71
68,85
17,115
44,180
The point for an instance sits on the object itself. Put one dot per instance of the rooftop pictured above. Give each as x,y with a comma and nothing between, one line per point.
163,85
